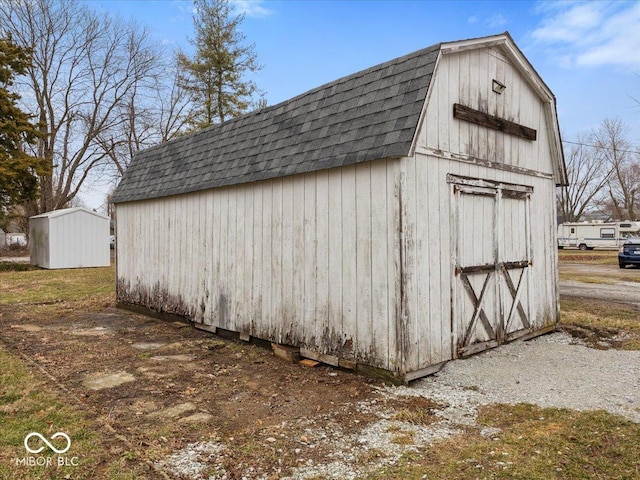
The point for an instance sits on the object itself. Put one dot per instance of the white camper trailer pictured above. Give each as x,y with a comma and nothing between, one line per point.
590,235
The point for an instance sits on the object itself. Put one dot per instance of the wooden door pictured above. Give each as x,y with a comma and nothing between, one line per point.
514,252
491,245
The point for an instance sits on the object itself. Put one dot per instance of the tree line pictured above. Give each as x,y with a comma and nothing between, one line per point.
82,90
603,171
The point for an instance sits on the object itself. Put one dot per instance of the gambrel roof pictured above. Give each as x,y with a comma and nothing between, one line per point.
369,115
365,116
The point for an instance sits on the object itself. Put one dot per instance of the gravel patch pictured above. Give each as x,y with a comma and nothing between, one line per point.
626,293
193,460
551,371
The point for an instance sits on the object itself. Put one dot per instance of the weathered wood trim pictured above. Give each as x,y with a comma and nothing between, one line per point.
483,183
286,352
424,372
423,112
481,162
462,112
478,311
461,46
516,334
476,348
537,333
507,47
149,312
320,357
512,265
206,328
379,373
476,268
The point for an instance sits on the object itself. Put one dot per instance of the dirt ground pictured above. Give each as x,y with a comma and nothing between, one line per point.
166,385
193,405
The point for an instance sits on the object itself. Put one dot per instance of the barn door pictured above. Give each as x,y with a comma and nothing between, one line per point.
514,255
491,244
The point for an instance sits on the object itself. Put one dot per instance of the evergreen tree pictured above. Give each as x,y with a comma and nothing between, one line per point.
214,77
18,170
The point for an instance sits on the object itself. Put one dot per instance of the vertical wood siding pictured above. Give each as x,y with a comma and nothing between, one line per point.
428,266
309,260
466,78
358,261
428,210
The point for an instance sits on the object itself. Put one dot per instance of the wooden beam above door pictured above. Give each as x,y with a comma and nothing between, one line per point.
467,114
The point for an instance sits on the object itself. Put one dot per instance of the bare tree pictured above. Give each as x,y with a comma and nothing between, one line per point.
588,172
151,115
87,69
624,182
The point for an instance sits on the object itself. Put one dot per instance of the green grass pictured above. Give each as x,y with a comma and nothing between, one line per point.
27,405
534,443
48,286
16,267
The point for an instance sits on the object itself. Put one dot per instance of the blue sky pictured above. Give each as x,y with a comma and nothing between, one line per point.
587,52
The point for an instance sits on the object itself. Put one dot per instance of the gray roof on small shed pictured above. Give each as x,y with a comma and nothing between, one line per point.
365,116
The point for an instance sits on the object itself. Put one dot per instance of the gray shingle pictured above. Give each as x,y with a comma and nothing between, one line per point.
368,115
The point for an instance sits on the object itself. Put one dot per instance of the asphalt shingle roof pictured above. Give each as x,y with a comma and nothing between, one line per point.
365,116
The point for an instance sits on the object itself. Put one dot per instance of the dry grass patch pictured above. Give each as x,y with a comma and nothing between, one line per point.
533,443
28,404
601,324
577,277
415,410
593,313
594,257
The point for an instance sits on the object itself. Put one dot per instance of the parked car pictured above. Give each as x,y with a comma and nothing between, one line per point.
629,252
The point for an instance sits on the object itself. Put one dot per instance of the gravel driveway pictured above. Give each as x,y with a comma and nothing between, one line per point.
625,289
550,371
554,370
627,293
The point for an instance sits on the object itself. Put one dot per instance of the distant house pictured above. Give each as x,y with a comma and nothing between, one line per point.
69,238
395,219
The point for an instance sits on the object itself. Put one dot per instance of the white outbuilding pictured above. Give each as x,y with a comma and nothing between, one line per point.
69,238
393,219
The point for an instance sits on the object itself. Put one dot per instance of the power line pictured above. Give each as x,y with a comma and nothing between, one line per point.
600,146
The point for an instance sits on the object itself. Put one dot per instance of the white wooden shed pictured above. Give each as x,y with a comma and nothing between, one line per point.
69,238
396,218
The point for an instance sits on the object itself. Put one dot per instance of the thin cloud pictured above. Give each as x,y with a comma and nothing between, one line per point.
495,20
252,8
591,34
